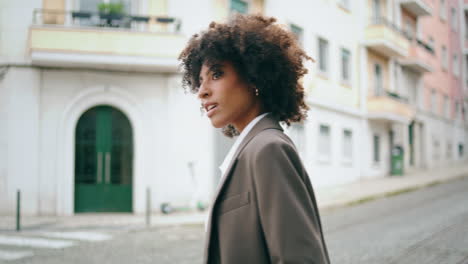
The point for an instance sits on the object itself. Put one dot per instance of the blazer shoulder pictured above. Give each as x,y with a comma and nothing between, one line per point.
271,139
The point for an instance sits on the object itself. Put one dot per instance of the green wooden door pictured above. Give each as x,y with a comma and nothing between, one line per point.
103,161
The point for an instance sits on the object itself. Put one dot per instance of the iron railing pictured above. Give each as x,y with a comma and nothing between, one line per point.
382,92
408,35
386,22
106,20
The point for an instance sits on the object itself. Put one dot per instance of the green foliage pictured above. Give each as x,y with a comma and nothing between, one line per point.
111,8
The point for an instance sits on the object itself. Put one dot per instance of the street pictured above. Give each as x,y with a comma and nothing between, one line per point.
425,226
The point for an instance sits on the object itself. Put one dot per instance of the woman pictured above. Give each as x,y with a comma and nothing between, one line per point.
247,74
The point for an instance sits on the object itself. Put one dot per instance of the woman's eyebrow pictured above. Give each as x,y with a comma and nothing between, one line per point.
216,67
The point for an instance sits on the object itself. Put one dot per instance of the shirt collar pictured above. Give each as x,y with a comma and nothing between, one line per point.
241,137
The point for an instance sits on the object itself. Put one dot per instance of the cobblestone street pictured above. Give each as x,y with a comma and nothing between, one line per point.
424,226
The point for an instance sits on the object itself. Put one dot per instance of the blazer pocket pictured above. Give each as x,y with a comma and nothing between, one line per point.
233,202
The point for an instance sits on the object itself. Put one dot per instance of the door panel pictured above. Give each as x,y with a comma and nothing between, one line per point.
103,161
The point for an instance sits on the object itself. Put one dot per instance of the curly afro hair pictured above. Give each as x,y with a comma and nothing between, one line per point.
266,56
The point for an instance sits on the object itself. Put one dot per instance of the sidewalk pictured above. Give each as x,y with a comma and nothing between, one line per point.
370,189
327,198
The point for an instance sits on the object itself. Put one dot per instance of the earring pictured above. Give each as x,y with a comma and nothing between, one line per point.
256,91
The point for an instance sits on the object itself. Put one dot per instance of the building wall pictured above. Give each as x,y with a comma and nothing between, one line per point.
164,141
21,87
331,101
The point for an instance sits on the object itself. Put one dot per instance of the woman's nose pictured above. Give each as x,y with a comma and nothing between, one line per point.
203,91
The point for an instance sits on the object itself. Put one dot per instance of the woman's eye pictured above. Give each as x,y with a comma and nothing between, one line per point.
217,75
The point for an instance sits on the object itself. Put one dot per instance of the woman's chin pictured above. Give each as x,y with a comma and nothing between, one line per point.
217,124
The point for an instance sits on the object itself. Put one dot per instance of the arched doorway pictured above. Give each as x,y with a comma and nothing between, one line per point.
103,161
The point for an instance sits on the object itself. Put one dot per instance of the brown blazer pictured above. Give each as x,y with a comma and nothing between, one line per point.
264,210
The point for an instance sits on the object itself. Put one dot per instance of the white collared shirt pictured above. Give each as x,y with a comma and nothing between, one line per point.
232,151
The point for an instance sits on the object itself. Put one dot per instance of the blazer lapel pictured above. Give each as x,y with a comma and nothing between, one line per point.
267,122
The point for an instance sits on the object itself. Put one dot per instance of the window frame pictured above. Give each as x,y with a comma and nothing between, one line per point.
347,159
324,157
443,10
343,52
326,57
376,148
233,8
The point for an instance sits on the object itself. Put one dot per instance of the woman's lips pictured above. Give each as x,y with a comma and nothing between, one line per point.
210,112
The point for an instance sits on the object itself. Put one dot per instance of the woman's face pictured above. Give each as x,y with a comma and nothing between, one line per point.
226,97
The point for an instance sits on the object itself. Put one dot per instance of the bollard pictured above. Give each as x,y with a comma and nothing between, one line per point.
18,211
148,207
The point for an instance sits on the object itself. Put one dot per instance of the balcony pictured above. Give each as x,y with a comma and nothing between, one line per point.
102,41
420,57
416,7
385,38
389,107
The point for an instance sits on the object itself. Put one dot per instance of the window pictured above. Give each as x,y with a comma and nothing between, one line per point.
345,66
460,150
446,106
453,18
345,4
323,55
457,109
434,101
298,32
449,150
239,6
298,137
376,8
409,28
466,26
435,149
444,57
378,80
443,9
376,149
347,145
324,143
431,42
456,68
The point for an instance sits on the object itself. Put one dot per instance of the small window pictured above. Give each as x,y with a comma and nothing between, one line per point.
431,42
460,150
239,6
457,109
444,57
345,4
298,32
456,68
376,148
434,101
446,106
376,9
323,55
298,137
324,143
435,149
449,150
378,80
347,145
345,66
454,18
443,9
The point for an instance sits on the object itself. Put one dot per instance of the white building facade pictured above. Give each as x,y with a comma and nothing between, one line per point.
92,112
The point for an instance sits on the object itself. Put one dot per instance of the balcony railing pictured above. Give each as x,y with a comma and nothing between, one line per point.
381,92
426,46
106,20
384,21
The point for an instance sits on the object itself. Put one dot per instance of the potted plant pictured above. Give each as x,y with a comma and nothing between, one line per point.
110,12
